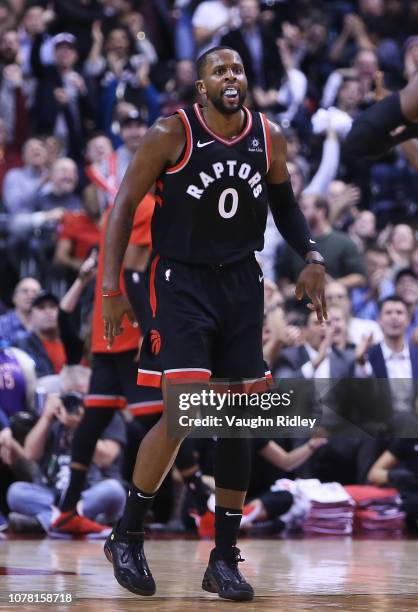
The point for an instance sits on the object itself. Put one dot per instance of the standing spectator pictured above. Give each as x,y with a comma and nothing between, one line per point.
76,17
13,100
120,75
44,344
210,19
62,104
15,324
21,184
257,47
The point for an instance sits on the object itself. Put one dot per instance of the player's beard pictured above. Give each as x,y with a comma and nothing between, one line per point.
220,105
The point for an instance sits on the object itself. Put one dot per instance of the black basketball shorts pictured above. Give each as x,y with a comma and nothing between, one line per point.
206,322
113,385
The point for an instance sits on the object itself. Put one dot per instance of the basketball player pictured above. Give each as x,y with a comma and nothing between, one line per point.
113,381
215,169
385,124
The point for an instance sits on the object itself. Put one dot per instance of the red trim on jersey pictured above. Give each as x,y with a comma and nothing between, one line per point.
189,144
267,138
188,374
148,378
145,408
159,200
226,141
102,401
152,293
159,185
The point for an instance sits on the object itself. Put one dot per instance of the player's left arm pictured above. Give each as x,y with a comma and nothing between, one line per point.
292,225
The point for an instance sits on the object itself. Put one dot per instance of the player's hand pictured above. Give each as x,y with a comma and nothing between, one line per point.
114,309
312,282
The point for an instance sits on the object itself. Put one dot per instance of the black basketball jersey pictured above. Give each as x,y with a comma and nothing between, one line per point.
211,207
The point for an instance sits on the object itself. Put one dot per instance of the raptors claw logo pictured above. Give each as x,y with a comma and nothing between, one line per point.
155,341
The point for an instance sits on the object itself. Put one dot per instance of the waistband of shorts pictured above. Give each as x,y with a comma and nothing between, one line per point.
215,267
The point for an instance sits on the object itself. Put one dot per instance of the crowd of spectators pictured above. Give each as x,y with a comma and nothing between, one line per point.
80,82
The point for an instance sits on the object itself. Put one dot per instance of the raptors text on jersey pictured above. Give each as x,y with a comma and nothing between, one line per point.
212,205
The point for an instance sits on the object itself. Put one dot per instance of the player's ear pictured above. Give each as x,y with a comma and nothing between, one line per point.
200,86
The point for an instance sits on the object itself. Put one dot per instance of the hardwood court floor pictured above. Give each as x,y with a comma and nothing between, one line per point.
308,574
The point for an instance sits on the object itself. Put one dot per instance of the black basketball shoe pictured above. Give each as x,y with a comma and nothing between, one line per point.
222,576
126,553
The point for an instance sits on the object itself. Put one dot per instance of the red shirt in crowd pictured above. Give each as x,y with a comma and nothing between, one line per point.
82,231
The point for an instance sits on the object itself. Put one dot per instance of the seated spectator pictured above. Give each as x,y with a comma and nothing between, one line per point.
358,329
295,150
62,104
60,190
48,207
343,200
106,173
101,171
363,229
14,466
17,383
406,287
16,324
398,467
395,363
365,299
344,262
317,357
43,344
21,185
401,246
49,444
318,186
274,462
180,90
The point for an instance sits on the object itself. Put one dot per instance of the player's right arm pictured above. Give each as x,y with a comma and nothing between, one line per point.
160,148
